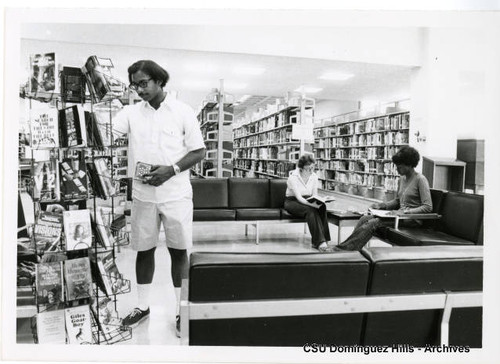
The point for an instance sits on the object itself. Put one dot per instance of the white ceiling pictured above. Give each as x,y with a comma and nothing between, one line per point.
195,72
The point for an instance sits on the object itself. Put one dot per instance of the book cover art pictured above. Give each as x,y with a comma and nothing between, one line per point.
50,327
43,74
111,276
44,128
78,325
73,176
47,232
72,125
49,282
101,82
72,85
78,278
141,169
104,234
46,180
94,137
104,174
108,320
77,229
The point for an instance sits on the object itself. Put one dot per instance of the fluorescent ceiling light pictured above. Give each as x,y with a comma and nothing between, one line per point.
200,67
308,89
252,71
336,76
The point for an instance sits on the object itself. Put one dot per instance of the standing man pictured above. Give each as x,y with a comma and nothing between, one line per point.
163,132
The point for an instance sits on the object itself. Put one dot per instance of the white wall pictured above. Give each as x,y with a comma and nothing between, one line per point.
453,92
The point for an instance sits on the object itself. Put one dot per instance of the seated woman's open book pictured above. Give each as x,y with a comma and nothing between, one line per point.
320,199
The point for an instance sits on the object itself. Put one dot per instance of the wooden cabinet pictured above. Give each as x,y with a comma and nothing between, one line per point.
444,173
471,151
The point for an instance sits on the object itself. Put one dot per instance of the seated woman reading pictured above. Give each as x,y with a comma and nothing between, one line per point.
303,183
413,197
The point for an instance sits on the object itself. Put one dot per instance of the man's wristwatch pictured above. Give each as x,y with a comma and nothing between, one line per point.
177,169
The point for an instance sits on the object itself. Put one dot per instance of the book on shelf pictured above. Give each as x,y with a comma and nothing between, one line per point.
78,278
77,229
44,128
50,327
47,232
320,199
113,280
95,182
104,235
72,85
44,78
102,84
72,126
142,169
73,176
94,137
49,283
46,180
78,325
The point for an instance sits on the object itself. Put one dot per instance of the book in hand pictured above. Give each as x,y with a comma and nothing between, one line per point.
142,169
382,213
46,180
78,278
49,283
73,176
47,232
72,126
320,199
77,229
72,85
78,326
50,327
44,128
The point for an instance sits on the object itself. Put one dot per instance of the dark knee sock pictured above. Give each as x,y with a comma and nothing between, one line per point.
145,266
179,266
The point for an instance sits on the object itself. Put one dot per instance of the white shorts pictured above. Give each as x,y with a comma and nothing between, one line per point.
177,219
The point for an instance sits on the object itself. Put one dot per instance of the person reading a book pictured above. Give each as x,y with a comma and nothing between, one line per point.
413,197
164,133
302,184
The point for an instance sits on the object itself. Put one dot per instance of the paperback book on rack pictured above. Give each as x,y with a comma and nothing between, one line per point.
78,326
77,229
103,234
102,84
78,278
47,232
50,327
46,180
108,320
73,175
44,128
49,283
104,177
72,85
113,280
72,127
44,80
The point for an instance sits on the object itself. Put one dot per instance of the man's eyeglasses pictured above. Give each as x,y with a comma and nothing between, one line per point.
141,84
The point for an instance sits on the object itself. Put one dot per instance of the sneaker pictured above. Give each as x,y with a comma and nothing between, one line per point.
135,317
178,326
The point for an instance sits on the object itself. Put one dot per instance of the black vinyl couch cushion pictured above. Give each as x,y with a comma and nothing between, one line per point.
258,214
261,276
408,270
210,193
214,215
277,191
248,193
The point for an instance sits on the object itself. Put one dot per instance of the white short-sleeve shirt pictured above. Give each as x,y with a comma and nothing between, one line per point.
295,182
163,136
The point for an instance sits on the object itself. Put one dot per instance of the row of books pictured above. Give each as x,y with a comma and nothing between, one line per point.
81,325
53,180
78,228
68,128
96,74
